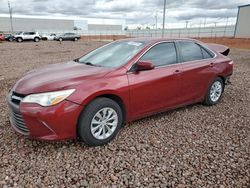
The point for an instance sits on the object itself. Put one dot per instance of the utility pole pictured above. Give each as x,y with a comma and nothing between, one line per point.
156,17
225,30
199,29
215,24
205,22
10,12
164,13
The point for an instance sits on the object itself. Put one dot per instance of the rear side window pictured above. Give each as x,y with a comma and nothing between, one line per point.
162,54
205,54
191,51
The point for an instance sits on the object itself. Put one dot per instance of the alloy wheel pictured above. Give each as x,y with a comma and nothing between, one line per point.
215,91
104,123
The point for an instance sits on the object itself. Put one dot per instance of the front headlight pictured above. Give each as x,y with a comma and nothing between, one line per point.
49,98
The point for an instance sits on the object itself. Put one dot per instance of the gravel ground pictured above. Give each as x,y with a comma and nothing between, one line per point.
195,146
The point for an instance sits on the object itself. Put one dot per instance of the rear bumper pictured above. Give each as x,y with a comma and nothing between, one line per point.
56,122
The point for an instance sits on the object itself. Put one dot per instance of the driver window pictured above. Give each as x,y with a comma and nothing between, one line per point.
162,54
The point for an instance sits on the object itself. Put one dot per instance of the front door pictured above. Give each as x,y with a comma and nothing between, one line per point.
157,89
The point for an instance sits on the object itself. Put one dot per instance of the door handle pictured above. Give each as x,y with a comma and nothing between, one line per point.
177,71
211,64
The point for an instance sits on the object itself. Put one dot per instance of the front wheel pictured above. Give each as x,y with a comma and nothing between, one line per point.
214,92
36,39
75,39
100,122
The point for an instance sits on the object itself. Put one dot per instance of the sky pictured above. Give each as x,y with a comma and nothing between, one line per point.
179,13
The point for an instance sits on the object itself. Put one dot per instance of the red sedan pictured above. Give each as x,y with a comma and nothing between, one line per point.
92,96
2,38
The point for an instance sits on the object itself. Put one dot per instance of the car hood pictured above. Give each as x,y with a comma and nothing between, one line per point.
57,77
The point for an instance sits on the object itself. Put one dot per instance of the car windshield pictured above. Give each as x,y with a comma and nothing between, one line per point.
114,54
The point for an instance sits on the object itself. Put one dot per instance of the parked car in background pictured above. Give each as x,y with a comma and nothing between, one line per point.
9,37
92,96
2,37
68,36
52,36
27,36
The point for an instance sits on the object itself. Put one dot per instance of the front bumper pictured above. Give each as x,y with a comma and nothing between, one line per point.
56,122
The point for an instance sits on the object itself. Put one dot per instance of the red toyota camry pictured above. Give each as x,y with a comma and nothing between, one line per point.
91,97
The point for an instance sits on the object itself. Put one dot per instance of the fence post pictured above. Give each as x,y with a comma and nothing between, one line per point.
225,31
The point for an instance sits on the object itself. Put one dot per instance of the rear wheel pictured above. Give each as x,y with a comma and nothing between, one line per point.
75,39
99,122
19,39
214,92
60,39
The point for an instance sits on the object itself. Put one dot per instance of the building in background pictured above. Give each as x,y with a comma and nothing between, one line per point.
242,29
46,24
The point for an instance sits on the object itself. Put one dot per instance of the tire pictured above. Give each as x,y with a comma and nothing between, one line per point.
19,39
60,39
75,39
36,39
214,92
90,123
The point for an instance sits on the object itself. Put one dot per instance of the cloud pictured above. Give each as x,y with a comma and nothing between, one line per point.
194,13
134,11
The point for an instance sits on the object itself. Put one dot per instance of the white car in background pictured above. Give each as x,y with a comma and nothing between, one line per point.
25,36
52,36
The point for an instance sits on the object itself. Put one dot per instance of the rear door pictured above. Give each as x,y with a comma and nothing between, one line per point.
65,36
32,35
70,36
159,88
26,35
197,70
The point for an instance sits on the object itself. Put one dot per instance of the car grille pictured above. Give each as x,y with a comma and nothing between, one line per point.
16,117
18,122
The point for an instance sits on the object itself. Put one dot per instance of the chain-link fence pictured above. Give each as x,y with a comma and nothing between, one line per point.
198,32
194,32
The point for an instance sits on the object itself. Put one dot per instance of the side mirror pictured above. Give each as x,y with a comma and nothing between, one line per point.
144,65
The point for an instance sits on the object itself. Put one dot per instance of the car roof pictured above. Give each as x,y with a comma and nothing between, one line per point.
155,40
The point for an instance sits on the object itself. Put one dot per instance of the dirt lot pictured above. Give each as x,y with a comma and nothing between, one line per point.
195,146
